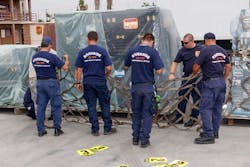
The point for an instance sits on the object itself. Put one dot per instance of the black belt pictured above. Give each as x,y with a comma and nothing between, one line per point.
213,78
143,83
44,78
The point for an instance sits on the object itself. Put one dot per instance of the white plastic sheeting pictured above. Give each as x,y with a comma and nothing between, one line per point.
14,66
239,105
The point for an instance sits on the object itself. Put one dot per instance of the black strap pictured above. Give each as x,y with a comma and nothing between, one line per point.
155,89
44,78
144,83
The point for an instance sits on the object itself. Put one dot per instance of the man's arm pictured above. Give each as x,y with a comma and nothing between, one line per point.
108,70
65,67
159,72
172,71
196,68
78,75
227,70
32,72
126,68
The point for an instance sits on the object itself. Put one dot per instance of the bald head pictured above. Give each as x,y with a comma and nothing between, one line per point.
188,41
189,36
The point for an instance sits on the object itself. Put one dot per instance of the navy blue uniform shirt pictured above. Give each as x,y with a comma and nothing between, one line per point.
93,59
45,64
144,60
187,56
212,61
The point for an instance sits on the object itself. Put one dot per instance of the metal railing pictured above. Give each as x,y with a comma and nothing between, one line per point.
6,16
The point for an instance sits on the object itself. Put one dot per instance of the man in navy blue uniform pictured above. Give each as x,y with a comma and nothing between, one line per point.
29,104
48,88
187,55
94,64
215,65
143,59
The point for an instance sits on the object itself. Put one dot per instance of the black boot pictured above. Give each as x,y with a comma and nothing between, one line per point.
189,123
216,135
58,132
135,141
204,140
31,115
40,134
145,144
112,130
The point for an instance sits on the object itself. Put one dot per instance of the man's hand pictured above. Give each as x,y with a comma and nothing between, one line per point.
196,69
66,62
108,70
171,77
79,87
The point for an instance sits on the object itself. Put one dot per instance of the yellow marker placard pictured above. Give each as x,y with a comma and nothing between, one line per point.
85,152
164,165
122,166
175,163
98,148
179,163
155,159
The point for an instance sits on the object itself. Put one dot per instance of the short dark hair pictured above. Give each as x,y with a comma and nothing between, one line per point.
189,36
44,45
209,35
92,35
46,41
148,37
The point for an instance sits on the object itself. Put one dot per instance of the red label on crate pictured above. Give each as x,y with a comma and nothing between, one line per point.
130,23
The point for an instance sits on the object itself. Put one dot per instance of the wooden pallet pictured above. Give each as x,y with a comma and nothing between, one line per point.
230,120
17,110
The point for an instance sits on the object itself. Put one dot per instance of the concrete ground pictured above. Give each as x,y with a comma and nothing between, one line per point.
21,147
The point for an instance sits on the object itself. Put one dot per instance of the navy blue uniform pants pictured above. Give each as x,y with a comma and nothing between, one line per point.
195,96
28,102
142,116
48,90
92,92
212,99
